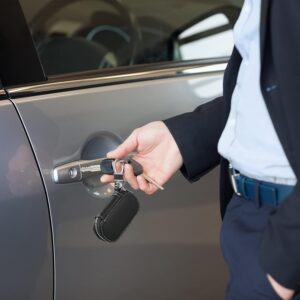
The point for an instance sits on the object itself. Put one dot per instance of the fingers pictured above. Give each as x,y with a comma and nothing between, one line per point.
130,177
135,182
128,146
107,178
145,186
283,292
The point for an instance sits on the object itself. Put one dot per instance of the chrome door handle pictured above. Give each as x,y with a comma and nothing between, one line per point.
77,170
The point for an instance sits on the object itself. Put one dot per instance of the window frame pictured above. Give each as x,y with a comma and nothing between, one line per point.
231,12
13,37
22,83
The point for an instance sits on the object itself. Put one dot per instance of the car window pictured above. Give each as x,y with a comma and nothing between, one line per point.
79,35
203,39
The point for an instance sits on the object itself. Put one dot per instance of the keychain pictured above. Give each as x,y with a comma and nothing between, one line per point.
117,215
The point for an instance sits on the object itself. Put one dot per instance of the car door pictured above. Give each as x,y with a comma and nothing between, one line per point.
26,252
26,256
113,66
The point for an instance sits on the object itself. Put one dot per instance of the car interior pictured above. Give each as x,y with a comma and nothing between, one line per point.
79,35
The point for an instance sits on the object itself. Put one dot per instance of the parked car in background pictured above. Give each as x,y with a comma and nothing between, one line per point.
77,76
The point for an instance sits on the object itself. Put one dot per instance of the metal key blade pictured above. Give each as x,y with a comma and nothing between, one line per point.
149,179
138,170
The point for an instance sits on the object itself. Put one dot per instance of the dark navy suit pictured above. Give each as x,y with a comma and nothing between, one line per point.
197,133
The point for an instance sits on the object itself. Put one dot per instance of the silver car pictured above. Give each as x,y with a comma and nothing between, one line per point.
77,77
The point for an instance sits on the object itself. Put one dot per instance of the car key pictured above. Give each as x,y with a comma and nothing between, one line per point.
106,166
138,170
118,174
81,169
137,167
118,214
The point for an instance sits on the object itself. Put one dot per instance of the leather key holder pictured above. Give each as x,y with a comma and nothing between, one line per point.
116,216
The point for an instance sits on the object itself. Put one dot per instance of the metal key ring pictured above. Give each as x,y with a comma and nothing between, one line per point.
114,165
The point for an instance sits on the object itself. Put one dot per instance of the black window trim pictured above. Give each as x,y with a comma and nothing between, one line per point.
17,52
2,95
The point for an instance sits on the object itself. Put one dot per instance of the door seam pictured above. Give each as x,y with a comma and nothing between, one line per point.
45,190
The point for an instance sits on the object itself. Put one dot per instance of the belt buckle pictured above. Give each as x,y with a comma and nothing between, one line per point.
233,174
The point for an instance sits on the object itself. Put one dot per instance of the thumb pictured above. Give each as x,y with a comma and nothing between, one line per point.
128,146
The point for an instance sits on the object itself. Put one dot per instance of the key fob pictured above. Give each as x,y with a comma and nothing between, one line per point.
116,216
106,166
137,167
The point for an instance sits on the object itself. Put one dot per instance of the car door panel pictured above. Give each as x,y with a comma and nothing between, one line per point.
26,256
171,248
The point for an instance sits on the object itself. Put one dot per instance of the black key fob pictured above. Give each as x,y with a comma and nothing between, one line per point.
116,216
137,167
107,167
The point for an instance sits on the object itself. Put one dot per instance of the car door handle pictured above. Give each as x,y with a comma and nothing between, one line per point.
77,170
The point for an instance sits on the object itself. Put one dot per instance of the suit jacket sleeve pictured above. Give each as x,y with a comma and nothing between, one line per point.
196,134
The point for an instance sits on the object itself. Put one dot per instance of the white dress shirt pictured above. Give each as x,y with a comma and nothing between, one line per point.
249,140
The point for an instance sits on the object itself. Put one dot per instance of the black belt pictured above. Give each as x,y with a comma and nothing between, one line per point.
261,192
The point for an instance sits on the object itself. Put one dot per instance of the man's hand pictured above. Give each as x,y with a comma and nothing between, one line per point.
284,293
156,151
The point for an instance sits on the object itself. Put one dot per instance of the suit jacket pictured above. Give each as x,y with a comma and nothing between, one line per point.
197,133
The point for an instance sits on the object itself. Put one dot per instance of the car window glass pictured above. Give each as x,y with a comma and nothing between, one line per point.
205,37
80,35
